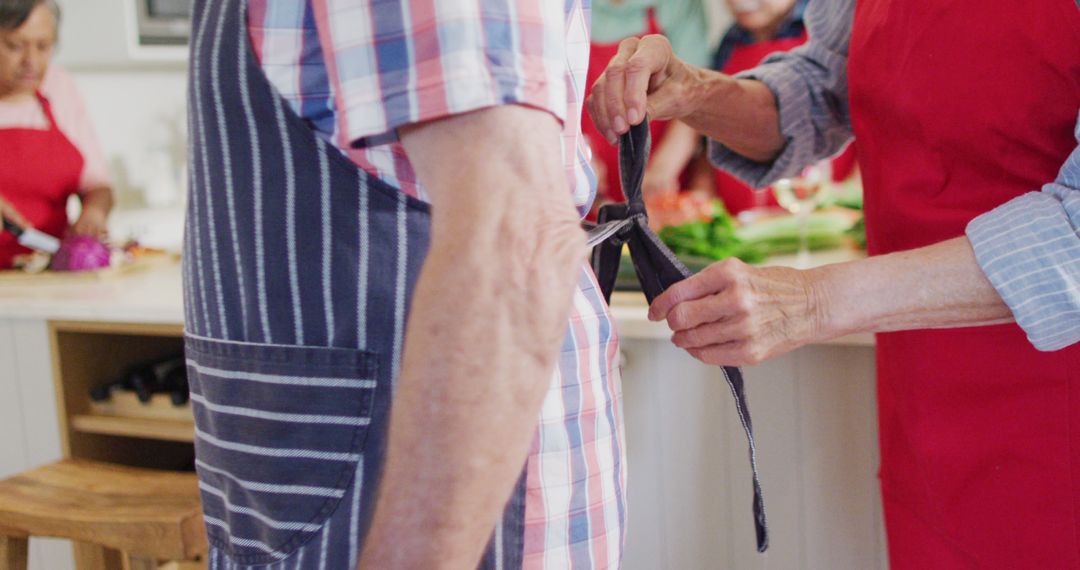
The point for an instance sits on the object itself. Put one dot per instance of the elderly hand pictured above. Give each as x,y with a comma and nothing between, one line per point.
644,77
92,222
734,314
8,212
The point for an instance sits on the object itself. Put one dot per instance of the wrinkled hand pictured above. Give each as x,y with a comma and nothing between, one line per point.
92,222
8,212
644,77
733,314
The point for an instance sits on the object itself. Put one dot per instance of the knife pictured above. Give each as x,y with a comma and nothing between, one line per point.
33,239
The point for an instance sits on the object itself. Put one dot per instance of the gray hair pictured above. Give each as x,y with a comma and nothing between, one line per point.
14,13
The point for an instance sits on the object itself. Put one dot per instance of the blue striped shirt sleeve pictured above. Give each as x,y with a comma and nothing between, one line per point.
810,86
1029,248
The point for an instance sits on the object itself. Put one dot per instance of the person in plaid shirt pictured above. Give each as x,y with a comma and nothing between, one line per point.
506,400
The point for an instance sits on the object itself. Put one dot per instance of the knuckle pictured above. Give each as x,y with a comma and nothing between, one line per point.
678,318
742,302
636,64
747,355
613,99
658,40
746,328
726,266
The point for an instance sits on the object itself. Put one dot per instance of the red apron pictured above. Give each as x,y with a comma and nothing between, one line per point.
599,57
959,106
737,195
39,171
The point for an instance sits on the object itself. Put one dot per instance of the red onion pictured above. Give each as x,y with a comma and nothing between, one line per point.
80,253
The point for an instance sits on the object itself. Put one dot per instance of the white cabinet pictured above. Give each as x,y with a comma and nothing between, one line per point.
28,421
689,487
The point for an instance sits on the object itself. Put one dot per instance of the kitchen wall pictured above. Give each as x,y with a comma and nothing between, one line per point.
136,99
140,120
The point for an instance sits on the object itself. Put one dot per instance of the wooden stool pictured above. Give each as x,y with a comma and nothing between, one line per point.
118,517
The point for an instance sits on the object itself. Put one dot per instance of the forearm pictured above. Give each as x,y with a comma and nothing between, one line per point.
936,286
486,323
739,113
99,198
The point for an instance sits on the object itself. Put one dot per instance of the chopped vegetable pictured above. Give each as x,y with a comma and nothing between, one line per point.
714,239
825,229
80,253
720,237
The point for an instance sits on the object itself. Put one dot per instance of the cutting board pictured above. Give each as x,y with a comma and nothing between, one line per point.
141,263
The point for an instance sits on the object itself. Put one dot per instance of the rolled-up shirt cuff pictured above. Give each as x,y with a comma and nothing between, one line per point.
792,100
1027,248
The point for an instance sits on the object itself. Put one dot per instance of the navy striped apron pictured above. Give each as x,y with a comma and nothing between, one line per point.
298,269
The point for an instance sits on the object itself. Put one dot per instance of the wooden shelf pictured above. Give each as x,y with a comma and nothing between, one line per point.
87,354
143,428
126,404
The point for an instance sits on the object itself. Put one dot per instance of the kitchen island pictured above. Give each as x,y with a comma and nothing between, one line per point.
689,479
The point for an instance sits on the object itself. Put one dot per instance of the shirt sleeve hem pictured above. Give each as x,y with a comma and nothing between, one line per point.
1022,247
496,89
786,87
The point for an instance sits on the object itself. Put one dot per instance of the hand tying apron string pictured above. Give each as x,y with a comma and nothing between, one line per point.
657,269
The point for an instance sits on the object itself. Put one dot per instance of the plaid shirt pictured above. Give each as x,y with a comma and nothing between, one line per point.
358,70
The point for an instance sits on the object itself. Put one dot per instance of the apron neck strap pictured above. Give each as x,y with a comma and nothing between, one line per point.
46,108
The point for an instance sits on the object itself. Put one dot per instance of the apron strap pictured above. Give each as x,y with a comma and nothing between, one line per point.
657,268
46,109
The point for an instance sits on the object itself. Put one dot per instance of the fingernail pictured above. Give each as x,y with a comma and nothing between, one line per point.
612,137
620,124
634,116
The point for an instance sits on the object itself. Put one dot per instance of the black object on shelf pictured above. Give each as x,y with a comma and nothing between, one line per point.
160,376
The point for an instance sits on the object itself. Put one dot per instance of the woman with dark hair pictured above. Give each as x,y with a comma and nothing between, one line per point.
48,150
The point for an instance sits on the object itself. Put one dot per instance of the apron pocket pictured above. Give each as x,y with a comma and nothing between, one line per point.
280,433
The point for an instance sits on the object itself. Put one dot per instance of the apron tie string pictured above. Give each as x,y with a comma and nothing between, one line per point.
657,268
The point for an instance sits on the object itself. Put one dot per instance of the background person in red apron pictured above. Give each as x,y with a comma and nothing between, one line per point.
967,120
612,21
761,27
48,151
